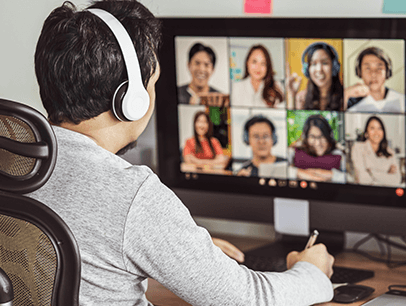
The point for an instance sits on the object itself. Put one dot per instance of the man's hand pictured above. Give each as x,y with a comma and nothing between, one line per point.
316,255
355,91
229,249
214,99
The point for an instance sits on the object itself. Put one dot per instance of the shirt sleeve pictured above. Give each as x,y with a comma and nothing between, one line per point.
217,146
189,148
384,177
362,176
339,175
163,242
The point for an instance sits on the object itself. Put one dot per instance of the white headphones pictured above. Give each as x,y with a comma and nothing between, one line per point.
131,99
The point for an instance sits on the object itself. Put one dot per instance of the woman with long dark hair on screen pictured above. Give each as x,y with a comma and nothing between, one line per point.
203,149
258,87
324,90
316,156
374,162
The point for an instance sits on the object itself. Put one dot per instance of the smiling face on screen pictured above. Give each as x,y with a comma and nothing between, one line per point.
201,68
321,69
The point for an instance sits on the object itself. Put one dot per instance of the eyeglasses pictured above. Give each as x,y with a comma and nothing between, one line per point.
266,137
321,138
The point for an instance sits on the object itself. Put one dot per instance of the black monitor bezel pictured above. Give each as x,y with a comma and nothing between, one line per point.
167,112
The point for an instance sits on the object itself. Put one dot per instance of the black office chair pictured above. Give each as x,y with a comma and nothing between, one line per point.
38,252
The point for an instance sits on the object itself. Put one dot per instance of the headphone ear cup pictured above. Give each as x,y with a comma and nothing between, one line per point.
118,99
305,70
274,138
336,67
130,106
245,137
388,72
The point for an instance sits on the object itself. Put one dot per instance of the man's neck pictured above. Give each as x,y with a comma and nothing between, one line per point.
257,160
379,94
199,89
104,130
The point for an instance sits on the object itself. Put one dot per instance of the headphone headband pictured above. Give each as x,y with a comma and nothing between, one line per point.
324,46
260,119
131,99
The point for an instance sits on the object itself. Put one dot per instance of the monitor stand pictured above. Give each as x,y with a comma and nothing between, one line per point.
292,227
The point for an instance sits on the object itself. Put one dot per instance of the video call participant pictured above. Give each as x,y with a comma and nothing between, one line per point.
260,135
374,67
128,225
316,157
374,162
202,61
258,87
203,149
324,90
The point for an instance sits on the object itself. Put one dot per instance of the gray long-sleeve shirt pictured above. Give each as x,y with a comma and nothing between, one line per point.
129,226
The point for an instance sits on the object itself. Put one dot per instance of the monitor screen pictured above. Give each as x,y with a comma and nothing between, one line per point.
298,108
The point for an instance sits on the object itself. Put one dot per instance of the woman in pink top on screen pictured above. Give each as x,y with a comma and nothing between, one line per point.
374,162
202,149
316,157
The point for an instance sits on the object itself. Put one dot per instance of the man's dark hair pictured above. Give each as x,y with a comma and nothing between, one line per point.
379,53
79,64
198,47
258,119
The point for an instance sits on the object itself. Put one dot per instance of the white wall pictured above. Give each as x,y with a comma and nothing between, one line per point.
281,8
20,25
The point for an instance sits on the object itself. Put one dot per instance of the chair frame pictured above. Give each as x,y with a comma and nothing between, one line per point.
44,150
67,278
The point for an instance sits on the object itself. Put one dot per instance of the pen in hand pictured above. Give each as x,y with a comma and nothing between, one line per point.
312,239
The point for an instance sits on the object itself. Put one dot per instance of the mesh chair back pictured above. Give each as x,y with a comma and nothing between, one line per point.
10,163
30,260
37,249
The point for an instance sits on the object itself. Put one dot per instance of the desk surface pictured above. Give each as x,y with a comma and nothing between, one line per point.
160,296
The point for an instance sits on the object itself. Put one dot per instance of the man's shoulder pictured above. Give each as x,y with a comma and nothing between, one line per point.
212,89
80,155
183,87
183,94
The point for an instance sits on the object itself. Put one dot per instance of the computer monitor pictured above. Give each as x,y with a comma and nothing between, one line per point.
305,109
